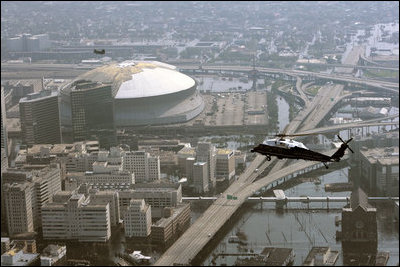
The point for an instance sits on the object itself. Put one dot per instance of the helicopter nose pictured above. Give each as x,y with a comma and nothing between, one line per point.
252,150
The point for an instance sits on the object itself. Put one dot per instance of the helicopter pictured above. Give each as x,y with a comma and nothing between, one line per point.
102,52
291,149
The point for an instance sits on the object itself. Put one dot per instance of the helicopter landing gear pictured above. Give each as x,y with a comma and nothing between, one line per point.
269,158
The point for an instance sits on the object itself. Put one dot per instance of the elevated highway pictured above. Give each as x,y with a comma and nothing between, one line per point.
388,86
7,70
186,248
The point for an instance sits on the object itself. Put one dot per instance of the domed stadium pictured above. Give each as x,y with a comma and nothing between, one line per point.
147,92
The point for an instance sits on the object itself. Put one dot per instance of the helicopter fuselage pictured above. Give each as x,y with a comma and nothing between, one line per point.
286,148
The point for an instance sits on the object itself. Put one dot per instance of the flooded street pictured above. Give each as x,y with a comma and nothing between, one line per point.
299,228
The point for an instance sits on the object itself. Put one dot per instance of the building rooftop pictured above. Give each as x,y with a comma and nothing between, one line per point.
176,211
385,155
137,79
359,198
224,151
276,256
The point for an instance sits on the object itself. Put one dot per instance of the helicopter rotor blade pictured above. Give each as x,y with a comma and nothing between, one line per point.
341,139
350,149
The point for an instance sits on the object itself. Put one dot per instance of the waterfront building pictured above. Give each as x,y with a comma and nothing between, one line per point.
137,219
17,257
72,216
379,169
145,167
39,116
5,244
200,177
321,256
206,152
53,254
359,227
175,222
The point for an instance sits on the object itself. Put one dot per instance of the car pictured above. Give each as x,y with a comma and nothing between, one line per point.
256,170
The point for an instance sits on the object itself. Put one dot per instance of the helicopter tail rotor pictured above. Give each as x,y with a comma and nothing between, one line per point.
340,152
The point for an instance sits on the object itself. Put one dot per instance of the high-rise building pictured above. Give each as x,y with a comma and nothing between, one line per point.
225,164
206,152
4,142
92,110
18,205
137,219
39,115
42,184
145,167
200,177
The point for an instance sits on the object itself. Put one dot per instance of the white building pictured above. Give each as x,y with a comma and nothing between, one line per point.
110,197
158,196
225,165
137,219
206,152
51,254
102,181
145,167
200,177
17,257
72,216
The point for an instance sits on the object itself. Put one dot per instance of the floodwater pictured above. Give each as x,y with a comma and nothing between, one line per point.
223,84
283,113
299,228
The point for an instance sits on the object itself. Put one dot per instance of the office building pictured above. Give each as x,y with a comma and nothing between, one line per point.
174,223
4,142
189,169
42,184
200,177
183,154
157,195
18,207
112,198
92,112
225,164
206,152
71,216
379,170
145,167
137,219
39,115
